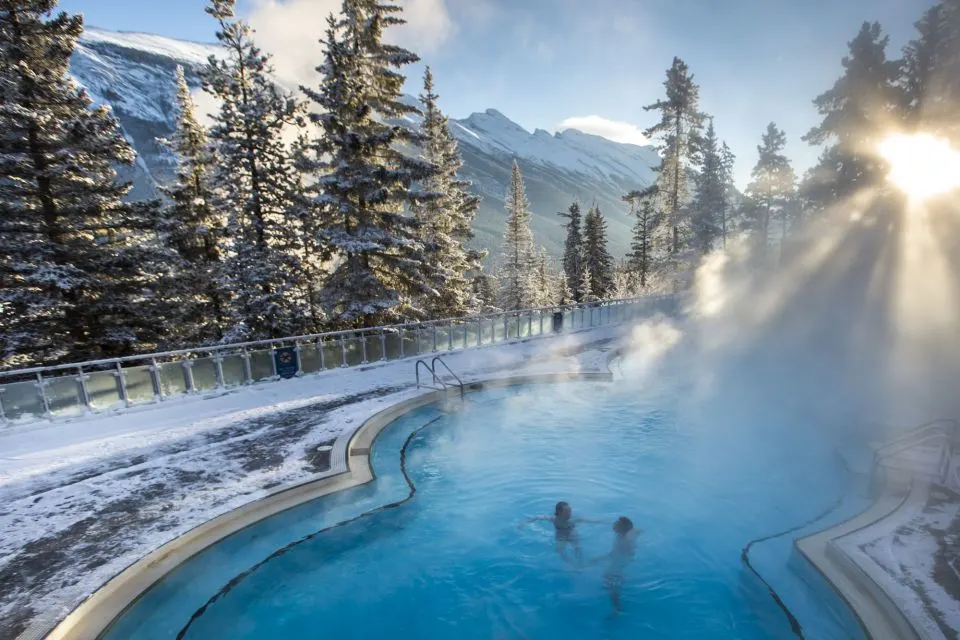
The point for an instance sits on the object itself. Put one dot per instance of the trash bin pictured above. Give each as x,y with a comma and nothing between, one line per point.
558,321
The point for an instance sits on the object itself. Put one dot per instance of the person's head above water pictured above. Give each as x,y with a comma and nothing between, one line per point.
623,525
563,510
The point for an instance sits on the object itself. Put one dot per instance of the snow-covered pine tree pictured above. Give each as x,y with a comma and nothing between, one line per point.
78,267
362,179
519,263
573,246
485,289
640,260
585,294
679,134
312,252
931,94
564,295
710,200
727,162
446,221
599,261
856,115
252,181
195,229
544,281
771,190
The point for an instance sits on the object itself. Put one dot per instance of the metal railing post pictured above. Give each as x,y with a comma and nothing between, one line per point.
529,323
41,385
363,348
506,329
383,346
247,369
416,330
122,385
273,361
466,334
541,322
296,350
343,351
3,413
450,335
154,370
84,394
218,369
479,332
187,366
434,336
319,344
403,348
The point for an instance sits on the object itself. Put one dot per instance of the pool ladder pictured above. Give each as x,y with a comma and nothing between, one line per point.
437,382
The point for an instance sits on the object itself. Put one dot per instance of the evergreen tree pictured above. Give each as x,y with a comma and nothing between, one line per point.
446,220
195,229
78,267
362,179
679,133
924,70
727,161
585,294
544,281
710,202
856,114
484,288
573,246
564,295
253,181
599,261
640,258
517,282
771,190
312,252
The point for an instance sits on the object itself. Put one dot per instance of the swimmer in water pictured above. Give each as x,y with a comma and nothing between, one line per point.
564,525
623,551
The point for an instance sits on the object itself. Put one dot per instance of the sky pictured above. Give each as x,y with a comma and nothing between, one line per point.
589,64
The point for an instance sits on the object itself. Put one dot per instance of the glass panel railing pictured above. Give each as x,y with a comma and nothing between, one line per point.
261,364
354,350
63,396
473,331
488,330
172,380
374,347
425,340
234,370
309,358
204,374
102,390
139,383
513,327
21,400
392,341
499,328
411,342
331,354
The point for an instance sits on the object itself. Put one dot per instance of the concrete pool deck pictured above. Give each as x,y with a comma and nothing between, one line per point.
73,519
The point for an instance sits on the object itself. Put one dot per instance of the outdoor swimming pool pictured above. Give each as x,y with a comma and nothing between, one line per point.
452,563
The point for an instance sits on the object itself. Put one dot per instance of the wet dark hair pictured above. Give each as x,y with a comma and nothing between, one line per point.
560,507
623,525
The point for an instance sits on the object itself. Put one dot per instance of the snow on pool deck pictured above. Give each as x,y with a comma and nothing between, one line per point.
915,558
82,500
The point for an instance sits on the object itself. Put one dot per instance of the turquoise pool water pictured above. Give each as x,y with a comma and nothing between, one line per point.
452,563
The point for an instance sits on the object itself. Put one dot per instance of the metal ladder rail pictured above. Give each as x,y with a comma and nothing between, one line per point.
426,366
433,368
918,439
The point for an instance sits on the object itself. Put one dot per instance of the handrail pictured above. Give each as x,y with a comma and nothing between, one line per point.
433,368
940,426
425,366
918,437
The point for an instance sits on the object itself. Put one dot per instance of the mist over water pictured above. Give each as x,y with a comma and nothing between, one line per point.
856,328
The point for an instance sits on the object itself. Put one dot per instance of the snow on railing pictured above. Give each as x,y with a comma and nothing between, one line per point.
70,390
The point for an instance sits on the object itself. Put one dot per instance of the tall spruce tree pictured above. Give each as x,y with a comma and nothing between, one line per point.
710,201
195,229
253,181
924,70
519,260
640,258
599,261
679,134
857,112
362,180
772,189
78,267
544,280
573,247
446,220
727,161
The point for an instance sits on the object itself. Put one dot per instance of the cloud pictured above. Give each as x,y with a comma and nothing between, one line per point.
290,30
609,129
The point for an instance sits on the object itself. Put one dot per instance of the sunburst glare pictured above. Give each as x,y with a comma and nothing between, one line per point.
921,165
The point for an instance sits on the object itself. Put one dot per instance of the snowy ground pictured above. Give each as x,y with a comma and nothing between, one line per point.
82,500
915,557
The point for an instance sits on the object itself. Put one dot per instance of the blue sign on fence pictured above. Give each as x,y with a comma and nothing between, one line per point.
286,359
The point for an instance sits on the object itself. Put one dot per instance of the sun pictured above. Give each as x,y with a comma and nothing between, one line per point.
921,165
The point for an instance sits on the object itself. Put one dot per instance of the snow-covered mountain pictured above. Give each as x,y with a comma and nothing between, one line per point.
134,74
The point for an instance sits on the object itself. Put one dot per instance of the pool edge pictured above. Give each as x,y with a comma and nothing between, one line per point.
93,616
878,615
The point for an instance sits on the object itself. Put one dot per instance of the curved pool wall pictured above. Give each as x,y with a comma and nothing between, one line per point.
351,454
201,591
